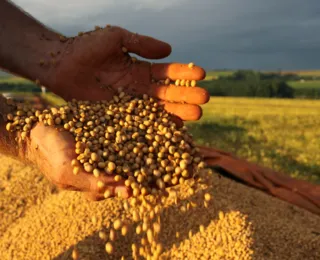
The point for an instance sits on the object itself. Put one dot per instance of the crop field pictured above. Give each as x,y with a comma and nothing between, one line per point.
305,84
214,74
281,134
13,80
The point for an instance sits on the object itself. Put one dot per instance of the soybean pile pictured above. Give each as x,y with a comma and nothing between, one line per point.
130,139
179,209
40,222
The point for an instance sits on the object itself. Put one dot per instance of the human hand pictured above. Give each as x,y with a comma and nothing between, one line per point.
93,66
53,150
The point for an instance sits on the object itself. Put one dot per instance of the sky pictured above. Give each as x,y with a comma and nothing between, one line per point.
215,34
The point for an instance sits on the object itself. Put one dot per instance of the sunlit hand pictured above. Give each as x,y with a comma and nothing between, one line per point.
92,66
53,150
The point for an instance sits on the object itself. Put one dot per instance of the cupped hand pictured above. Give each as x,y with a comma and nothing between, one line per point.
53,150
94,65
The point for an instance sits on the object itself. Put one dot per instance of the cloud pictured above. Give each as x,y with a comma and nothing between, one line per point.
214,33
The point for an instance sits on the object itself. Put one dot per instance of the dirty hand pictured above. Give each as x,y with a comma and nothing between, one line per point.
53,150
94,65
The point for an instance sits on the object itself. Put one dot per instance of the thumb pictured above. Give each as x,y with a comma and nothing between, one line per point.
145,46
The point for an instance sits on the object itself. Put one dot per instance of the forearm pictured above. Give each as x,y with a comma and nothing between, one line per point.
27,48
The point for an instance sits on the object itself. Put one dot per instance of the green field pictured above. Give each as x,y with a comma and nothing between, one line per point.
281,134
216,74
14,80
223,73
305,84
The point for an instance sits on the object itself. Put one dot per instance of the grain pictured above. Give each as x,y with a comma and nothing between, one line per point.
176,223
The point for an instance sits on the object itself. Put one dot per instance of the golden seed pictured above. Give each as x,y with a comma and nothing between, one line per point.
109,248
101,184
23,135
207,197
201,228
193,83
124,230
150,236
191,191
88,168
75,254
117,224
94,157
8,126
138,229
191,65
75,170
124,49
111,166
107,194
102,235
94,220
112,235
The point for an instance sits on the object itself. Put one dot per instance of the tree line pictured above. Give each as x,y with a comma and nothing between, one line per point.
247,83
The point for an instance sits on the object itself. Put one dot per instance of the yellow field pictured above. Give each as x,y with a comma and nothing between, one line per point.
281,134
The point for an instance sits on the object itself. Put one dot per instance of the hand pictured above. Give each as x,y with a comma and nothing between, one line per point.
53,150
93,66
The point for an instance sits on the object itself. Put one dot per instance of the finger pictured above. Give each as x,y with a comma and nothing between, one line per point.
176,71
114,191
186,112
93,196
190,95
87,182
145,46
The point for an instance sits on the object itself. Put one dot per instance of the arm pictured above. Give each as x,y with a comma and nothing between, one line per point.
25,43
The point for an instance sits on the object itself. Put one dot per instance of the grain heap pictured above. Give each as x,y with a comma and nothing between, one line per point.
136,141
184,221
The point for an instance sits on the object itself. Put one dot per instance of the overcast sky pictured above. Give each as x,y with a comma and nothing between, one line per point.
216,34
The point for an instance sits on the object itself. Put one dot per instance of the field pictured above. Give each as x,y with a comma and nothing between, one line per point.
305,84
302,73
13,80
281,134
214,74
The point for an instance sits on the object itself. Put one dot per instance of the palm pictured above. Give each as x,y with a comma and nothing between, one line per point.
94,66
53,150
